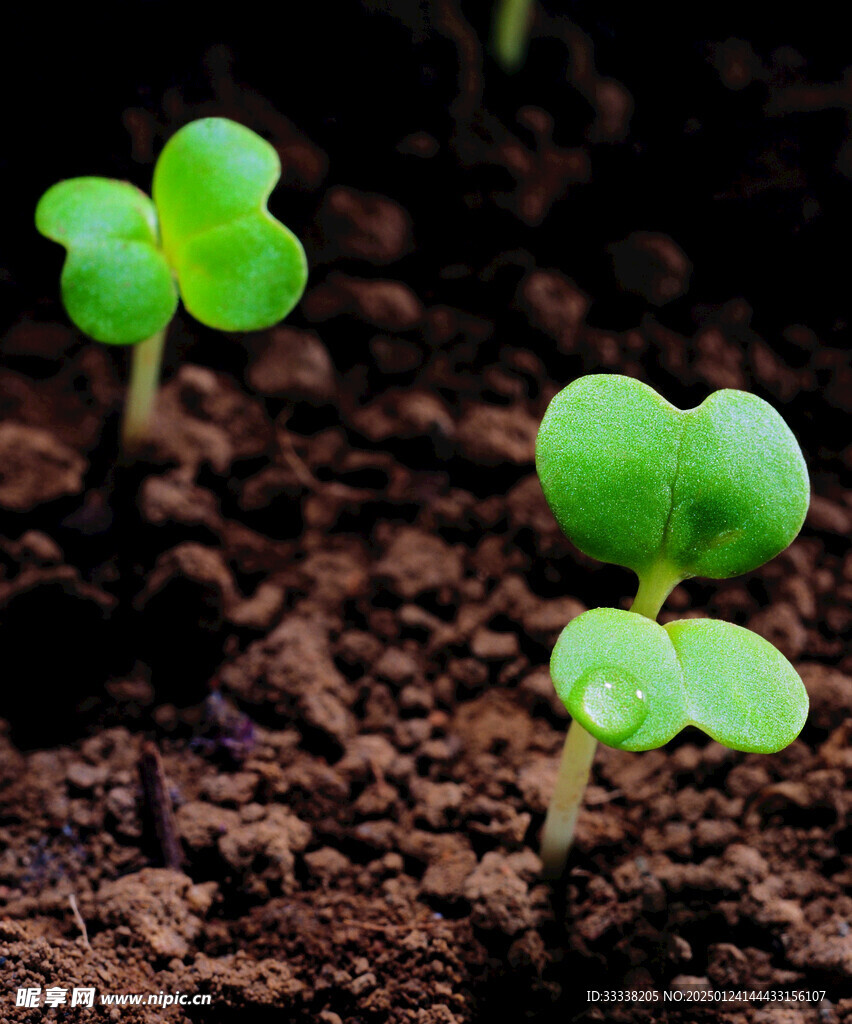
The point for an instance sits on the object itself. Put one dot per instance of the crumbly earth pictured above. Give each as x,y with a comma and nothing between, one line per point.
329,589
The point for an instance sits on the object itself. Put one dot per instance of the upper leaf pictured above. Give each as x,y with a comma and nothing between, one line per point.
238,268
116,283
712,491
634,684
741,491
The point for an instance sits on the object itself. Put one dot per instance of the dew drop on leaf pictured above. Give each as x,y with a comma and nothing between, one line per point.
608,702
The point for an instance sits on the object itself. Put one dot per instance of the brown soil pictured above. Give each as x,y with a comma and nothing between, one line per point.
328,593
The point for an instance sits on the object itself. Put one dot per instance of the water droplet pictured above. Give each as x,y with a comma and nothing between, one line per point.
609,703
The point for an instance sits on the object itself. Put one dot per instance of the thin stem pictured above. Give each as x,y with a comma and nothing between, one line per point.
654,587
558,835
511,31
579,750
145,365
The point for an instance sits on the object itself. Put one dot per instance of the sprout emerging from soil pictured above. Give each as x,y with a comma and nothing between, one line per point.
713,491
206,238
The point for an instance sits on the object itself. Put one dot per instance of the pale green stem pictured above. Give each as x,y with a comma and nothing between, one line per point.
511,31
654,587
579,750
558,835
145,365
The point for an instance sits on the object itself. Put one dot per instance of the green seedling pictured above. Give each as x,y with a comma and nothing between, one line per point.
714,491
511,31
207,239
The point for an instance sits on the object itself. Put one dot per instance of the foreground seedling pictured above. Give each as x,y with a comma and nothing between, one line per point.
714,491
207,239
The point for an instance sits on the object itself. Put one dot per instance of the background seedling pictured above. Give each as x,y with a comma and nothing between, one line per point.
206,238
714,491
511,31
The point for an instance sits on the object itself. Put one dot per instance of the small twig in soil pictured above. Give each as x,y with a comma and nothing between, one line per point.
156,792
78,918
303,474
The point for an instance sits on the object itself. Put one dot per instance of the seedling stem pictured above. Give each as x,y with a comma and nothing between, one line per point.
558,835
580,746
146,360
654,587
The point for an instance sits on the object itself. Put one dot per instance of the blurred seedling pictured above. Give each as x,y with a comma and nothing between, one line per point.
206,238
714,491
511,29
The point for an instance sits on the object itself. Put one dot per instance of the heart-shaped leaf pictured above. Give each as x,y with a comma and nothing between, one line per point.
116,283
238,268
712,491
634,684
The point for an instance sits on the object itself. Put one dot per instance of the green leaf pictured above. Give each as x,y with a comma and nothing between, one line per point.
606,657
634,684
238,268
741,491
116,283
606,454
741,690
712,491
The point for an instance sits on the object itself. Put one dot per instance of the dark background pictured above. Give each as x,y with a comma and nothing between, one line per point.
756,196
696,163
